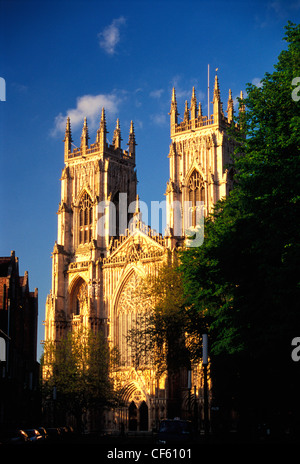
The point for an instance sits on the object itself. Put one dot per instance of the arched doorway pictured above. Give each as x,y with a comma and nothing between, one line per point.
132,420
143,410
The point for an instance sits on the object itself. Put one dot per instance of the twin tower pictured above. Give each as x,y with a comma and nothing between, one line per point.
95,272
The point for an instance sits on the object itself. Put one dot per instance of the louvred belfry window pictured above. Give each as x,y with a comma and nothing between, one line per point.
85,219
196,195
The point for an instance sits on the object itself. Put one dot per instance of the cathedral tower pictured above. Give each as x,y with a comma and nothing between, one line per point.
199,155
92,180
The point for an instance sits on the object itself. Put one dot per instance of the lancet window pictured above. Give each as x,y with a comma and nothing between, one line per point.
196,195
85,219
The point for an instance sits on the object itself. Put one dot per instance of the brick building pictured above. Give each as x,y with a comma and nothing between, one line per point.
18,335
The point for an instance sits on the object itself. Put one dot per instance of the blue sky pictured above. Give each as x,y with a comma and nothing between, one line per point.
61,58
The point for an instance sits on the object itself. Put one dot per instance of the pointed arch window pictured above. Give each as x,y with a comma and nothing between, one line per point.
116,232
85,219
196,195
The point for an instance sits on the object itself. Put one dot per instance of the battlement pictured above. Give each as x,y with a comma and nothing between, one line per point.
101,146
193,118
94,149
202,121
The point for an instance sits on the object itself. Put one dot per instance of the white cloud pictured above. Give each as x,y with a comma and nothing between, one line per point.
20,87
236,102
156,93
257,81
110,36
138,124
181,93
186,92
276,10
282,8
89,106
159,119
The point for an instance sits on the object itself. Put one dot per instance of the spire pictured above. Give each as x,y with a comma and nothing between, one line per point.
217,104
216,90
241,111
200,114
137,206
174,102
173,111
137,215
68,137
193,105
84,135
101,133
103,121
186,116
117,136
68,130
131,141
230,109
242,104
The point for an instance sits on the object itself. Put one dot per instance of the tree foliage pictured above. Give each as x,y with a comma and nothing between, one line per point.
245,277
244,280
79,368
158,335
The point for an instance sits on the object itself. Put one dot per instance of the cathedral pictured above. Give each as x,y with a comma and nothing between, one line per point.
104,248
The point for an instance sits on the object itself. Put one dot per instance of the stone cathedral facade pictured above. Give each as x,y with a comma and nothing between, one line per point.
101,255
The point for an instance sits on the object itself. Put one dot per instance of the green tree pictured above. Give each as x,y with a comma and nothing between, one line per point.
157,337
244,280
79,368
160,338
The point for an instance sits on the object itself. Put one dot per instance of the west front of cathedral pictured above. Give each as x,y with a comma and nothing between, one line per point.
104,248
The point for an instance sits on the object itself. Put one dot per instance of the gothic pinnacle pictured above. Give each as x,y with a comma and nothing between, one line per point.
216,88
200,109
200,115
137,206
242,104
84,134
173,112
68,131
174,96
173,102
103,121
217,104
193,95
68,138
131,141
137,214
186,116
132,133
230,108
101,132
117,136
131,128
193,105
